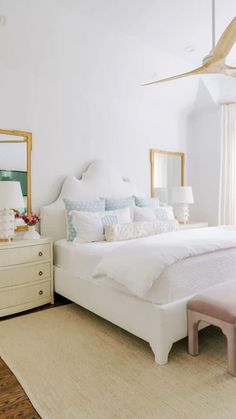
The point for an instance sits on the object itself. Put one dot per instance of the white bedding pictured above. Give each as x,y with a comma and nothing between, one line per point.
139,264
182,279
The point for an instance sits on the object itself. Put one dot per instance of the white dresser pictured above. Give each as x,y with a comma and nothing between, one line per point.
26,275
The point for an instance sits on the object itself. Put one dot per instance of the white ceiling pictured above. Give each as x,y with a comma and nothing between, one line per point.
170,25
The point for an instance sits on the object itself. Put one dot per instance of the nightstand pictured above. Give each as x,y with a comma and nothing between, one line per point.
193,225
26,275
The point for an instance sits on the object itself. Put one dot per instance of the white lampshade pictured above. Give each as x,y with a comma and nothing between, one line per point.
181,195
11,195
161,194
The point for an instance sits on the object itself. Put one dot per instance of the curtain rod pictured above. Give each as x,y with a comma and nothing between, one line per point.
227,103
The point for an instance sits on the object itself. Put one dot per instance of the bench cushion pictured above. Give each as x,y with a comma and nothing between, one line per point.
218,302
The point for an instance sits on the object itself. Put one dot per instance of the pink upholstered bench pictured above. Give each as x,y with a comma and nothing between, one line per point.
216,306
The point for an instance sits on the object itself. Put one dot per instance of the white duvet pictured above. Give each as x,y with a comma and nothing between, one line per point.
139,263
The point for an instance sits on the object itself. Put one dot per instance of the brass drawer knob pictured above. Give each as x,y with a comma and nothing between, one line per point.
40,273
40,253
41,292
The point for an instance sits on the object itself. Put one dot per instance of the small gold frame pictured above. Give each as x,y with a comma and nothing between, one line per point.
27,138
153,153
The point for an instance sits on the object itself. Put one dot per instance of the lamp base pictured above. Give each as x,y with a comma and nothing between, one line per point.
7,225
182,213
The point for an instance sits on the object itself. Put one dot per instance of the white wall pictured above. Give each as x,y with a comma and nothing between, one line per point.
204,150
75,82
204,144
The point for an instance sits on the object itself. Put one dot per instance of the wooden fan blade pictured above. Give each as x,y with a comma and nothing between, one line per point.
199,70
230,71
226,42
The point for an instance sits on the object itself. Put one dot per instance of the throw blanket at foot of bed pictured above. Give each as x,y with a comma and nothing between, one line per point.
138,263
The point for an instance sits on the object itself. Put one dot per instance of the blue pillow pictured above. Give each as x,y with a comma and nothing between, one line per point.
118,203
146,202
164,213
90,206
161,214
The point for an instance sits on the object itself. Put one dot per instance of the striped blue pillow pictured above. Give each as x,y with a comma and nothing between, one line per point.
146,202
90,206
118,203
107,220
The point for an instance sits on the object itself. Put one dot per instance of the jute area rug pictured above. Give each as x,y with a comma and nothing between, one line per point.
75,365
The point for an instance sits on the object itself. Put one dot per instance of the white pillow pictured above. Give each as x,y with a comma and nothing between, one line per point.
90,226
144,214
118,232
153,214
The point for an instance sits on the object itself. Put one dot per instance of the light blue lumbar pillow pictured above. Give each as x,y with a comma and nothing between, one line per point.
146,202
118,203
89,206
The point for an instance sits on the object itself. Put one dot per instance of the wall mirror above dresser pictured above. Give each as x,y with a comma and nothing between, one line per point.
15,164
167,170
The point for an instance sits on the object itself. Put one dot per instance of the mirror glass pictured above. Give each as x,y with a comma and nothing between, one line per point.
167,170
14,164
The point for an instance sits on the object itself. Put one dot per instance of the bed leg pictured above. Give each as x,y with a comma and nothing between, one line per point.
161,351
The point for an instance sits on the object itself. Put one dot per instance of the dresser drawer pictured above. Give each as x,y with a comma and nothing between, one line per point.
27,254
23,274
24,294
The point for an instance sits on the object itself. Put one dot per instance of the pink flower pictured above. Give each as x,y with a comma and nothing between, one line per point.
30,220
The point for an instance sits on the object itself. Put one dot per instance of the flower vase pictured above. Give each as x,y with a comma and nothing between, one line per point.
31,234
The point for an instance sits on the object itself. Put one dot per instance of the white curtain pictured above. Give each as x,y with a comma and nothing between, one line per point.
227,201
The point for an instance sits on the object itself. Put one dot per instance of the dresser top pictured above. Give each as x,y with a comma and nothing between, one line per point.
19,242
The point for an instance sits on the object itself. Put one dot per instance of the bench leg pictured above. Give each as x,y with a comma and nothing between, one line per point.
228,329
193,322
231,348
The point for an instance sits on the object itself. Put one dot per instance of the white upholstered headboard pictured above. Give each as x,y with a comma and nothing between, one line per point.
98,181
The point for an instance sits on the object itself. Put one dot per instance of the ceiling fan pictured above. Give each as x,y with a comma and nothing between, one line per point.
214,62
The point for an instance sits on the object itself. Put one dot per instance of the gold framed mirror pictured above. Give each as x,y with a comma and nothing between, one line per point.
15,164
167,170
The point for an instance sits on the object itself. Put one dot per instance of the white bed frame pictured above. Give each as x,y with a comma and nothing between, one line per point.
160,325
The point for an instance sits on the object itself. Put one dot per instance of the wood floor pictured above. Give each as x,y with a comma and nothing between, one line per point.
14,402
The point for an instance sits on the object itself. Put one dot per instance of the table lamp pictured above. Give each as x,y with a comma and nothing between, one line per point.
10,197
181,197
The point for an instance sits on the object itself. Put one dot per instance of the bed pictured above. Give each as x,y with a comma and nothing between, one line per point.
159,318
